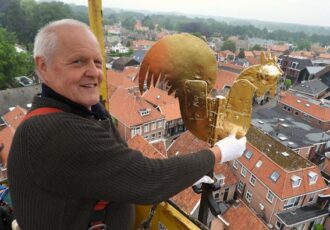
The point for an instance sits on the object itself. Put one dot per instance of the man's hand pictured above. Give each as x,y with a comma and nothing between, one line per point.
231,148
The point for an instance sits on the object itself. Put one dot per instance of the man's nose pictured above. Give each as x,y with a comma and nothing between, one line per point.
93,70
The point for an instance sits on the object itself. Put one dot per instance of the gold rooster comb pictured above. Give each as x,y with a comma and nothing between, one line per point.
187,66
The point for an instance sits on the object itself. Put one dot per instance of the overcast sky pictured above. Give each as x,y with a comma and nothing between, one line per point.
309,12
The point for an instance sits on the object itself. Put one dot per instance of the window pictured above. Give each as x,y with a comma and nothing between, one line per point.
146,128
275,175
248,196
278,225
153,126
312,197
144,112
252,180
270,196
295,181
294,65
235,164
243,171
135,131
259,163
248,154
160,124
292,202
312,176
240,187
220,178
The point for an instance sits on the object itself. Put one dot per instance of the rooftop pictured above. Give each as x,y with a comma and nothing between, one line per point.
273,150
313,87
290,130
304,214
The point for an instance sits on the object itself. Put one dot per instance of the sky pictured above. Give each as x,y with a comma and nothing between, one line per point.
308,12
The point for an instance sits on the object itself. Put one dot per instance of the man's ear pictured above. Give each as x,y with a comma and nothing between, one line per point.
41,66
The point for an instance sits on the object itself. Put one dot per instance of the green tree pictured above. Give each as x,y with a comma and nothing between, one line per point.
257,47
129,22
303,44
147,21
229,45
287,83
12,63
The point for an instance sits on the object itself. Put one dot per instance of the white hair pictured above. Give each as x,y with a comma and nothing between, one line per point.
46,39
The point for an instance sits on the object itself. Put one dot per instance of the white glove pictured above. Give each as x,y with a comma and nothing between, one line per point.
231,148
204,179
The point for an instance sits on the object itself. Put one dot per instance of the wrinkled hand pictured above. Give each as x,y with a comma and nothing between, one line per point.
231,148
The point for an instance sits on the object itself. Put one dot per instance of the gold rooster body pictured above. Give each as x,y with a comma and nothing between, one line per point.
188,67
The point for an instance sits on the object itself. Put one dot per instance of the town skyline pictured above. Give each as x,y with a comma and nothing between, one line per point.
293,11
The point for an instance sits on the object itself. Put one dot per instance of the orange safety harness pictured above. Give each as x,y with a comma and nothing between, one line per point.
99,209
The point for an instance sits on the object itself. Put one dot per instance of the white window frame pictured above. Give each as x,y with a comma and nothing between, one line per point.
248,154
146,128
311,197
153,125
270,196
312,176
272,176
135,131
248,196
276,225
243,171
289,203
296,181
160,124
253,180
235,164
240,186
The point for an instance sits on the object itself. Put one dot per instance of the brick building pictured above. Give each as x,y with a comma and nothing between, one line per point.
278,184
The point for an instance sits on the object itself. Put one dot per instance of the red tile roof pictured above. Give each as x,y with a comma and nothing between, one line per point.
186,143
125,107
161,147
186,199
325,55
314,110
224,78
13,119
283,186
279,48
225,53
6,137
143,43
253,60
142,145
123,79
232,66
168,104
225,169
241,217
248,53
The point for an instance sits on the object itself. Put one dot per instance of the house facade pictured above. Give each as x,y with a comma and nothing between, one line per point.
134,116
278,183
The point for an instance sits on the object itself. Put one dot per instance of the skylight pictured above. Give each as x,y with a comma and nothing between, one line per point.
285,154
275,175
261,122
248,154
295,181
258,164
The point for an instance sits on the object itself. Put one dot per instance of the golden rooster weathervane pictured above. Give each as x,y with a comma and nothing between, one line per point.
188,67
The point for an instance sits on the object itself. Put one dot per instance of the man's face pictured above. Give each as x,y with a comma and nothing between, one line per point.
75,68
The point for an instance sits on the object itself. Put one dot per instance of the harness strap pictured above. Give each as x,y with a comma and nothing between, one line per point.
99,209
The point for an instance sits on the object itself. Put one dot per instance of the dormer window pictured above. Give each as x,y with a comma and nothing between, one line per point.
248,154
144,112
312,176
294,65
275,175
296,180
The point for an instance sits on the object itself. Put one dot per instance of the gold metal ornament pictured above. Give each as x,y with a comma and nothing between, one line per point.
188,67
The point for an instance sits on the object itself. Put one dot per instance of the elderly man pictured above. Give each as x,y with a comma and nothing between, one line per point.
62,162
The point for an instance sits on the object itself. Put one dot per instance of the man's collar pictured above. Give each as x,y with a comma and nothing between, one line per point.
97,111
